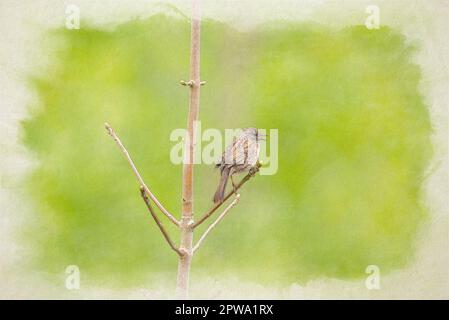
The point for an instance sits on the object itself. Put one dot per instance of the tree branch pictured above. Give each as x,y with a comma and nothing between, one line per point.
137,174
194,83
213,225
158,222
218,205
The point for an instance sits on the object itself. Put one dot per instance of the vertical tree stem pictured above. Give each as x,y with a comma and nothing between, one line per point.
185,259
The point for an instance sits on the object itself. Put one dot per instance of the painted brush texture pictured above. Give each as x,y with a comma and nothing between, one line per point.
354,138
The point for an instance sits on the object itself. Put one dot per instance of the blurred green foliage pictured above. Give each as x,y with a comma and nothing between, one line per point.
353,145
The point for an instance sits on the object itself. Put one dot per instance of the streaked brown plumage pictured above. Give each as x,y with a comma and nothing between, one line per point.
241,156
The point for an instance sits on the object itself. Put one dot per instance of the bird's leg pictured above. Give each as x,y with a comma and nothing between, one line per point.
233,184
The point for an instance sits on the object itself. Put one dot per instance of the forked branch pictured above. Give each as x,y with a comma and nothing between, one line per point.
158,221
138,176
218,205
213,225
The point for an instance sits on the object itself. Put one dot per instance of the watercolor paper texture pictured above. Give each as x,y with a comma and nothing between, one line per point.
358,93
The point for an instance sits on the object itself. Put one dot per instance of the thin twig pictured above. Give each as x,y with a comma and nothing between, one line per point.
213,225
158,221
137,174
218,205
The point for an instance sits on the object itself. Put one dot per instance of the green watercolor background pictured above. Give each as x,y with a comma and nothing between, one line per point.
354,141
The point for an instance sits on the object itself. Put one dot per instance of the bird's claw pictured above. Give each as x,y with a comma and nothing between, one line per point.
253,171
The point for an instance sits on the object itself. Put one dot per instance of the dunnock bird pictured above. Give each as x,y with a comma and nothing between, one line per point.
240,156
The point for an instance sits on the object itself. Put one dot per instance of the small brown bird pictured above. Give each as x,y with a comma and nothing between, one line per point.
242,155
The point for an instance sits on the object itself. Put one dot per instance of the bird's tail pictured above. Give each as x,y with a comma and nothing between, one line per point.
219,194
